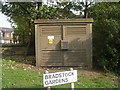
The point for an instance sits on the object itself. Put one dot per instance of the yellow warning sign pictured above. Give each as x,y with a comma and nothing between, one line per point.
50,41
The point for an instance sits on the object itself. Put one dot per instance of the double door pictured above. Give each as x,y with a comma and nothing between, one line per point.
78,41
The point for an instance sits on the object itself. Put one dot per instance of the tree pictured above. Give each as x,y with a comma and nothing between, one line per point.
23,14
22,17
106,35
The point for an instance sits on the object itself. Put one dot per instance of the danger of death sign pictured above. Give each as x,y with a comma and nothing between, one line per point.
58,78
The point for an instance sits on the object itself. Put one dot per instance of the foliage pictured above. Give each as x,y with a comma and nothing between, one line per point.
12,45
23,14
20,17
66,9
106,35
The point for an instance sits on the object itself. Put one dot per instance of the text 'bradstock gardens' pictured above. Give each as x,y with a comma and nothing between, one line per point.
52,79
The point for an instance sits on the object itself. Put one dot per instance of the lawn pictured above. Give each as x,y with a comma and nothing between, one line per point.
18,75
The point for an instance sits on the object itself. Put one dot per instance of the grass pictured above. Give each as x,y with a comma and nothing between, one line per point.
15,76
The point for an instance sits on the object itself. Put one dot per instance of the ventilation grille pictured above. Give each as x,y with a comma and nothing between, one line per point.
76,56
51,30
75,30
51,56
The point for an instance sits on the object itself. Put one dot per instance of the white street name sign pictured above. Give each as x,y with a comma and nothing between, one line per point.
58,78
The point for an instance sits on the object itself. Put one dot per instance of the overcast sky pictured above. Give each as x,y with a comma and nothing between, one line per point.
3,21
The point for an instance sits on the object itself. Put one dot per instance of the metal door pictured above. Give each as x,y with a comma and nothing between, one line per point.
51,54
76,36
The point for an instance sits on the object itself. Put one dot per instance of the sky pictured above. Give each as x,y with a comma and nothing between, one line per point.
3,21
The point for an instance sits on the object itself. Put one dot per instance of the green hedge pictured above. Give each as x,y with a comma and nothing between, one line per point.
12,45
